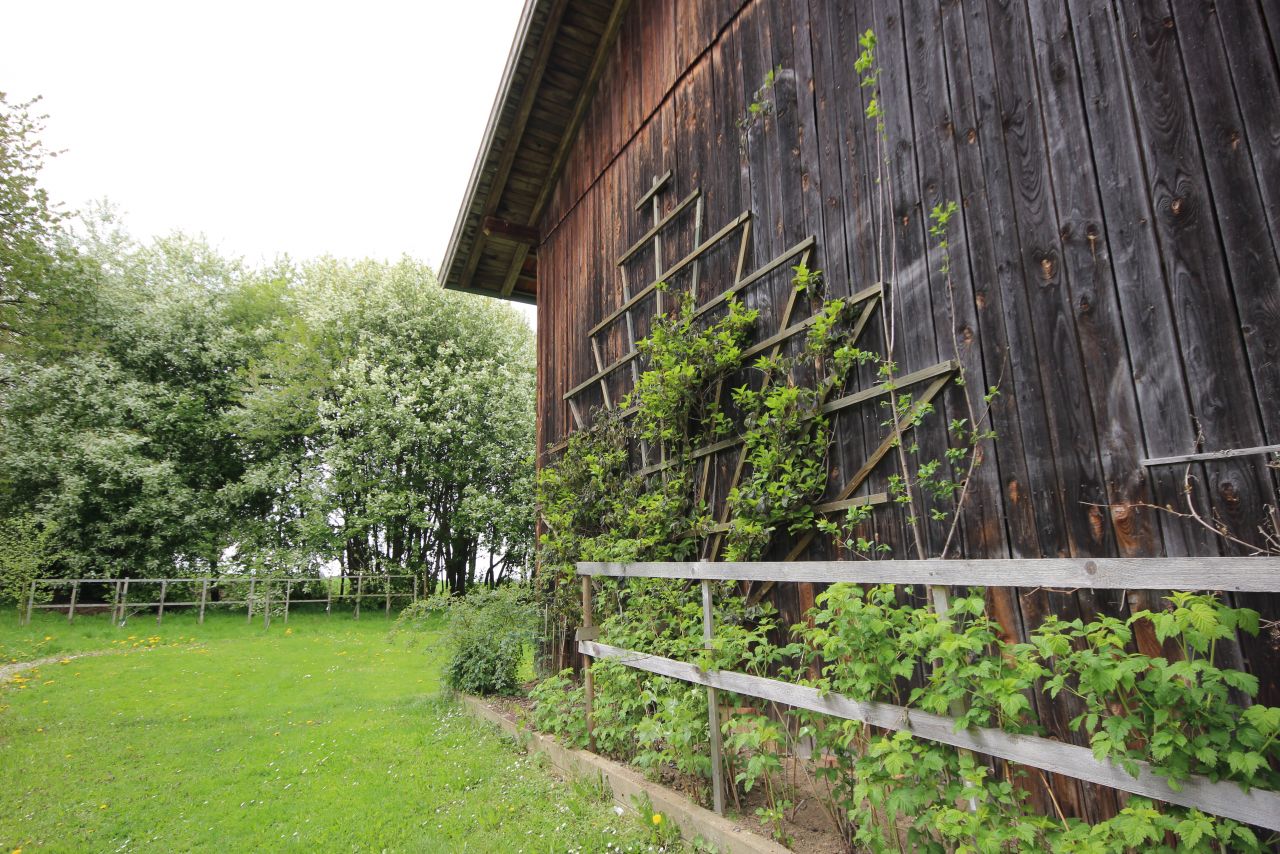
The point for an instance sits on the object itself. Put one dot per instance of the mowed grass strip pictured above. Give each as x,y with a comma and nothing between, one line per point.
322,735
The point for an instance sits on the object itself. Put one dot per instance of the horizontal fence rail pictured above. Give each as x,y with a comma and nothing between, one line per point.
1261,574
1252,574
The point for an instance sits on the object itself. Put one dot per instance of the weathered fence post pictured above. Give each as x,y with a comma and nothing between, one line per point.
288,589
164,588
124,604
75,594
266,605
253,580
415,587
386,583
359,593
115,603
588,685
31,603
328,596
204,597
713,707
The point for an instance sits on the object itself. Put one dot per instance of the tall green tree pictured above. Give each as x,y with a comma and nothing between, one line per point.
121,445
45,293
163,408
424,423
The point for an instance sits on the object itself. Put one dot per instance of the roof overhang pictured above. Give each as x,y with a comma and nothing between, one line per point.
558,55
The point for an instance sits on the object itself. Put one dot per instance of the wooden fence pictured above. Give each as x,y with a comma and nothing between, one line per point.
120,603
1257,807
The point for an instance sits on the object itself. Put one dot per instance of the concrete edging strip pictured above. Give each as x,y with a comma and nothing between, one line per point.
694,821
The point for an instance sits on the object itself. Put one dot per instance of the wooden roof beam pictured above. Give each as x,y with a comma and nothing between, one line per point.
499,178
510,231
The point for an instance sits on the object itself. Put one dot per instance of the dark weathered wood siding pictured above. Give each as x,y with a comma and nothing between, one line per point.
1116,270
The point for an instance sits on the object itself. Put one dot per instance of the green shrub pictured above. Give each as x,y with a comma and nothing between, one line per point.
25,555
421,617
486,635
558,708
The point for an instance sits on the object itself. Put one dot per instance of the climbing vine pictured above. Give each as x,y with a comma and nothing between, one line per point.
784,432
674,409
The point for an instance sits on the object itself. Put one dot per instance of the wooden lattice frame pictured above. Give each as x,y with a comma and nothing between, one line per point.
936,376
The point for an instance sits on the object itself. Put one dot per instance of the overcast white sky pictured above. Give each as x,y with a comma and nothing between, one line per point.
270,127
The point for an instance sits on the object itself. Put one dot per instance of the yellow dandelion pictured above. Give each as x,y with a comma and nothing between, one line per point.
102,806
48,637
657,818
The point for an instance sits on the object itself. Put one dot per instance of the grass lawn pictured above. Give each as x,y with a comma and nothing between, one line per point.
321,735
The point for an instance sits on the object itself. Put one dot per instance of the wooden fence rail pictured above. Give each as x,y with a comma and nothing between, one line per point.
1257,807
120,595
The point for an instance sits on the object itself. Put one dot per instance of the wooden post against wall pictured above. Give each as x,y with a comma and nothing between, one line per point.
31,603
204,597
713,707
589,688
75,594
164,588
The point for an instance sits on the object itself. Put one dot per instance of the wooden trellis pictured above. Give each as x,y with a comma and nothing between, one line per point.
867,300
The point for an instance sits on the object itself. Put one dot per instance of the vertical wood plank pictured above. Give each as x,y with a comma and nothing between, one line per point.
1204,308
1245,231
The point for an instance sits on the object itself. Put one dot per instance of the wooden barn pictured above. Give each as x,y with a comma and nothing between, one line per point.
1112,268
